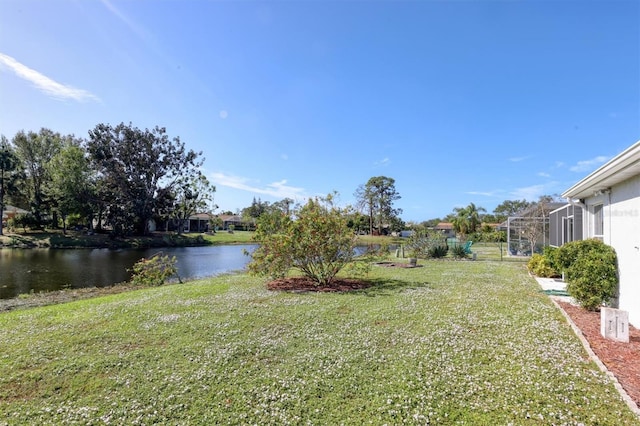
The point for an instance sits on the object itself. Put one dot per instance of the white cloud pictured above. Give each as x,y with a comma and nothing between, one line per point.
382,162
45,84
589,165
533,192
530,193
517,159
275,189
543,174
224,114
484,193
140,32
284,157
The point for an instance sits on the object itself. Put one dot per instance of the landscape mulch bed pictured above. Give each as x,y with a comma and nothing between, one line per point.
621,359
303,284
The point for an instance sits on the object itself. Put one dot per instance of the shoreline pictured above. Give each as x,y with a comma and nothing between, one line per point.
79,240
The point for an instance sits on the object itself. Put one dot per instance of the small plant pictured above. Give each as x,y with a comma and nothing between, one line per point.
154,271
458,252
421,243
437,252
540,266
358,268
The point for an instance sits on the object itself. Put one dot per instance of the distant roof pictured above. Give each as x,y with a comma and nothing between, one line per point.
230,218
12,209
444,225
620,168
201,216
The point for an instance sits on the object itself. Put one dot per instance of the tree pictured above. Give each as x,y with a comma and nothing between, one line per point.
376,197
9,164
35,150
283,205
318,242
192,194
256,209
509,208
139,170
535,220
70,185
358,222
467,219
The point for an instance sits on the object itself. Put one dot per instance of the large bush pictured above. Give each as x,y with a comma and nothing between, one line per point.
318,242
566,255
590,268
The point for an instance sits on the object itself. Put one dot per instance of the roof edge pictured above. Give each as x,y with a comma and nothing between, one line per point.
617,163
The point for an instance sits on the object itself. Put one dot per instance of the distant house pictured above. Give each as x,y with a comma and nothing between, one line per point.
9,212
565,225
446,228
199,222
610,201
229,219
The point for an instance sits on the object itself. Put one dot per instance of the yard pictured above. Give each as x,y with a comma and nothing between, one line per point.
445,343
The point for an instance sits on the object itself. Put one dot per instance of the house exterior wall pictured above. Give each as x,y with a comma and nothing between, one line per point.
621,230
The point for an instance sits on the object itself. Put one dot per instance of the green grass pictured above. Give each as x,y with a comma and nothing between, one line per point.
447,343
224,237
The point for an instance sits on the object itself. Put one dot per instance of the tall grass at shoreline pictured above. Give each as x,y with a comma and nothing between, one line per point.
446,343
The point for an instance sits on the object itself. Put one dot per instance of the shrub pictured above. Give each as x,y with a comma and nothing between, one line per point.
569,253
551,255
458,252
437,252
154,271
592,277
422,242
318,243
539,265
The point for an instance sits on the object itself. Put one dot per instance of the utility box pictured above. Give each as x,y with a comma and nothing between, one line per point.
614,324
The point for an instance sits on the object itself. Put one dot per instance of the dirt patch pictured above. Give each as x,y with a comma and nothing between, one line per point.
396,265
61,296
621,359
304,284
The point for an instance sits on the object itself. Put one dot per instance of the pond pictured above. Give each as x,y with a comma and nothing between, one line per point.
26,270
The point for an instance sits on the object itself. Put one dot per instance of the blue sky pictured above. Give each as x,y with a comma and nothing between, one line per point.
458,101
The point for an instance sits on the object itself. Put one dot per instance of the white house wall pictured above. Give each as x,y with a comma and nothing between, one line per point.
621,208
623,219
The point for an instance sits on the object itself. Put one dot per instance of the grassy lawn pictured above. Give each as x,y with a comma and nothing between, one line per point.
224,237
447,343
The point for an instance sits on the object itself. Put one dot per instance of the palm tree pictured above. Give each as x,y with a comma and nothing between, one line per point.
467,219
473,213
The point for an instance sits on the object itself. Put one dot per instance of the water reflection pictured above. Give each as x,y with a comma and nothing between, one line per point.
23,271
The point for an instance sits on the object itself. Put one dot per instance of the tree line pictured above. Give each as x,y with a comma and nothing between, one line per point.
120,177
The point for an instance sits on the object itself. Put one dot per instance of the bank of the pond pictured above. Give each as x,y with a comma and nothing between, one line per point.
75,239
83,240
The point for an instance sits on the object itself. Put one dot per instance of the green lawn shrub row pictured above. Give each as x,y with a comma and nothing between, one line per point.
589,267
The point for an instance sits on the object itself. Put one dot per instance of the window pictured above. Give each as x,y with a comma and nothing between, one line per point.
598,222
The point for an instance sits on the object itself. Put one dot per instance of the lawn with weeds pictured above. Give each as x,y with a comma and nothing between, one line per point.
446,343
